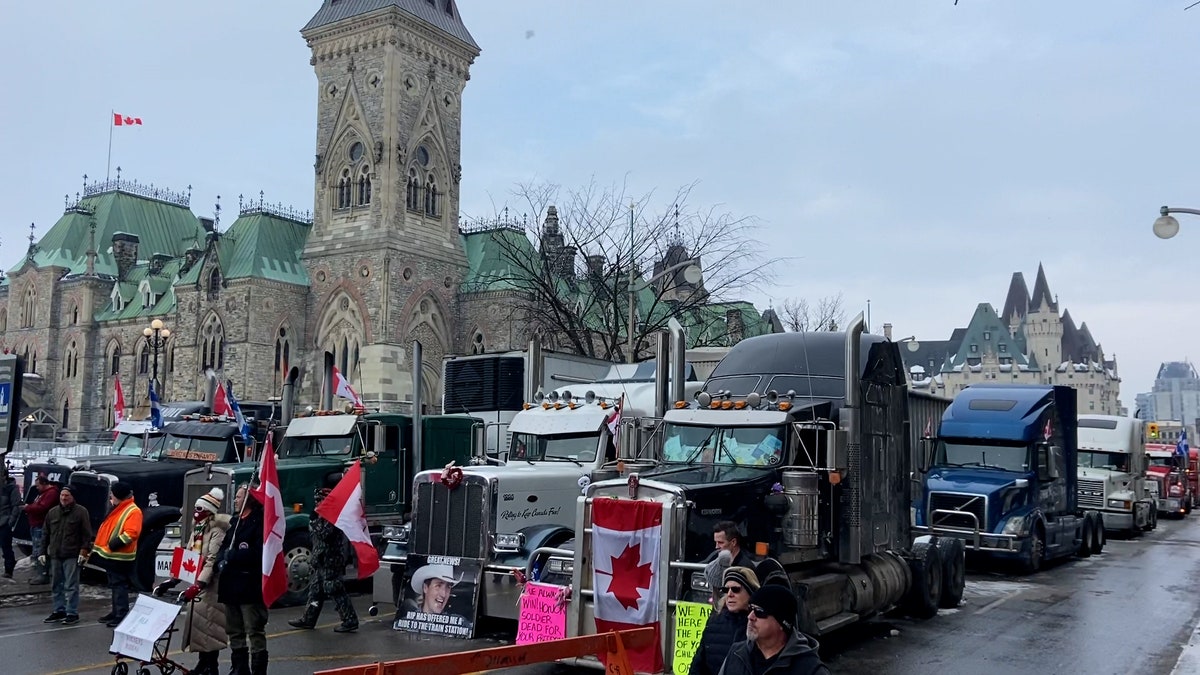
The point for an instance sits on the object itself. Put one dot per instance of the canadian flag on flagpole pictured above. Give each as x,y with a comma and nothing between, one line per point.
614,422
342,388
118,403
120,120
274,575
221,402
625,547
344,508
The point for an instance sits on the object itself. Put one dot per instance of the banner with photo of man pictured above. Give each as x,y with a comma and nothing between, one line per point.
441,594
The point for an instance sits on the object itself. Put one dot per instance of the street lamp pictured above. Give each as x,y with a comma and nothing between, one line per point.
156,336
692,274
1165,226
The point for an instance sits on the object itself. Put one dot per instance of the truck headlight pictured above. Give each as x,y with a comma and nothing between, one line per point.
563,566
509,542
397,533
174,531
700,582
1017,526
1122,504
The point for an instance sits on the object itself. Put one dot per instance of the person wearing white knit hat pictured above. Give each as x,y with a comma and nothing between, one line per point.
204,631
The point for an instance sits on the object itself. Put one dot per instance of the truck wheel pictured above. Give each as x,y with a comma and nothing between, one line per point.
953,553
1037,549
926,591
1100,540
1087,537
297,552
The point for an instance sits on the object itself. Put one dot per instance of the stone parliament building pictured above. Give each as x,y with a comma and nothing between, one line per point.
380,262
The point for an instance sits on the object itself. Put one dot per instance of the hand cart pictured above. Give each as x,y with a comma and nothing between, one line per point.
133,646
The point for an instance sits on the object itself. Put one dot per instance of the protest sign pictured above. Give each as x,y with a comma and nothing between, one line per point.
440,595
690,618
542,618
147,620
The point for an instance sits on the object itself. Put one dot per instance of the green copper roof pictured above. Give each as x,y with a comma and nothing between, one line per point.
263,244
162,225
159,283
488,268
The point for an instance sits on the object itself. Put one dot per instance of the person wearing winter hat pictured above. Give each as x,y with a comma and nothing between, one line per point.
772,641
204,629
116,546
328,565
727,626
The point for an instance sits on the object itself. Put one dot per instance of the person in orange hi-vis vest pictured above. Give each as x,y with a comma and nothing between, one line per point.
116,547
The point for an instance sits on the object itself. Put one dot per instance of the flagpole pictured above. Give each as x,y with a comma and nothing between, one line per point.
108,164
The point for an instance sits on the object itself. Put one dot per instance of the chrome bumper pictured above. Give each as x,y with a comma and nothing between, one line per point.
974,538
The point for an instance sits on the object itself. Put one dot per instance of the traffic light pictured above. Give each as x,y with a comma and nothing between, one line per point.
1152,430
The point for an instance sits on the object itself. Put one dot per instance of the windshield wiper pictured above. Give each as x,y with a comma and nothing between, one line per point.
556,458
982,465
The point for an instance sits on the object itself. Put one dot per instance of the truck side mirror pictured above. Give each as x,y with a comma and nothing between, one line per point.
927,447
1047,467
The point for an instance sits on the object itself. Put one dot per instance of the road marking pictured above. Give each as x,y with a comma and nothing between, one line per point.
1189,658
174,653
995,603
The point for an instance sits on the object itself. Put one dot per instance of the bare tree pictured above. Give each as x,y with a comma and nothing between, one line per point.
823,314
573,262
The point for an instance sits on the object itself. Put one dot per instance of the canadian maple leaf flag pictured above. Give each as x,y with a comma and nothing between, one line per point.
614,422
274,574
185,565
625,572
221,402
344,508
342,388
118,404
120,120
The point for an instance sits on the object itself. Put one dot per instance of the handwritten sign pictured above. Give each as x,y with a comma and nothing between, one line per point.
541,618
690,619
147,620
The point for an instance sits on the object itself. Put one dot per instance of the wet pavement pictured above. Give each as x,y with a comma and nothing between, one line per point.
1125,611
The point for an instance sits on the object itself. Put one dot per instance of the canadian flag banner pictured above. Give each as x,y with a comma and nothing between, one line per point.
342,388
118,403
185,565
120,120
614,422
221,402
344,508
625,572
274,579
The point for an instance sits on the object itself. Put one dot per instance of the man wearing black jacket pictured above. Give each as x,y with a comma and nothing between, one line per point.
239,564
773,646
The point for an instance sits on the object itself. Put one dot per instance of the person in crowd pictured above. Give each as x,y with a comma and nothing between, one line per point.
239,568
116,548
773,645
328,564
727,552
204,629
10,511
65,545
35,513
726,626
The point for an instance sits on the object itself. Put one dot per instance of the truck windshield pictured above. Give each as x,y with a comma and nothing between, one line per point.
557,447
132,445
1096,459
1003,457
1171,461
307,446
746,446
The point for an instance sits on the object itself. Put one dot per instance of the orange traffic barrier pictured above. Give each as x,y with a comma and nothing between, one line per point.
611,644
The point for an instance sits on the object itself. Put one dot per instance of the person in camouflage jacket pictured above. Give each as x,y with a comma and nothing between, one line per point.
328,565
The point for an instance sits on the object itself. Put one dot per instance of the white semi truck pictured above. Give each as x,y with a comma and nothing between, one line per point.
1112,473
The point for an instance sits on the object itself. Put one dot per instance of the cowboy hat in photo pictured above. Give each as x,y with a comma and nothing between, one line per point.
427,572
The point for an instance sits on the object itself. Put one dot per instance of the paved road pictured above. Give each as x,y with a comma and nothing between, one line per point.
1126,611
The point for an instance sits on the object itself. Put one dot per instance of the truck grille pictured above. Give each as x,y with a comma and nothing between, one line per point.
91,491
974,504
1091,493
450,522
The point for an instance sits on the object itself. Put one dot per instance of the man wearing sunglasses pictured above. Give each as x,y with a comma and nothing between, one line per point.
728,625
773,645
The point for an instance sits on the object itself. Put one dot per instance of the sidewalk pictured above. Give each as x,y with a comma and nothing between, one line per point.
19,585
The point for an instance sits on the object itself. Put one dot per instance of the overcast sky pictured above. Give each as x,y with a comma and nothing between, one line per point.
914,154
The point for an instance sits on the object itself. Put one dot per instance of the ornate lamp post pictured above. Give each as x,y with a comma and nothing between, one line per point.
156,336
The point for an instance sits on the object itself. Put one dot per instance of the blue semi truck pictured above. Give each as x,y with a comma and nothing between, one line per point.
1000,475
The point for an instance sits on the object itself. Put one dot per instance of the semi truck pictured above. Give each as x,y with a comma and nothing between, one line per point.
1003,476
802,440
500,514
1169,469
1112,473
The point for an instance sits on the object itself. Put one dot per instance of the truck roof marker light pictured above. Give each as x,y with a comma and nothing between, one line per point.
785,406
760,549
703,398
589,397
680,405
526,406
726,405
545,406
572,405
297,507
604,405
835,477
558,406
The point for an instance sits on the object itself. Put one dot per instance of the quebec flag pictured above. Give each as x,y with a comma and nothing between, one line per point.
247,430
1181,448
156,419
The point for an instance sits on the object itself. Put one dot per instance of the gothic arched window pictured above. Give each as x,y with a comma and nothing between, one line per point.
71,362
143,358
214,284
364,185
29,307
66,414
212,344
431,197
343,190
412,198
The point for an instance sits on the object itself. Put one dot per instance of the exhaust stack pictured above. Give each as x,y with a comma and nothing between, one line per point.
662,357
418,424
210,390
851,530
678,354
327,389
288,404
533,369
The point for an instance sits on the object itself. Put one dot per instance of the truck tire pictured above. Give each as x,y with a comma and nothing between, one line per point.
925,593
1087,537
1037,550
1100,540
953,553
297,551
